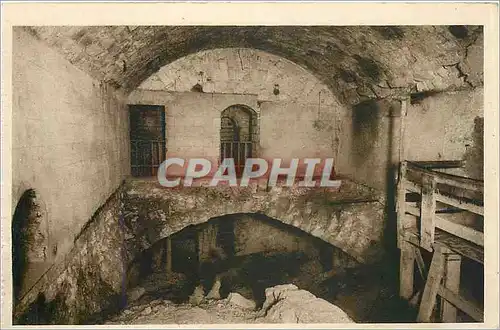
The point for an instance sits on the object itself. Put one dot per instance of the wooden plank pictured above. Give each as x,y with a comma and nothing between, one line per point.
440,164
467,307
451,281
448,179
459,245
401,202
406,270
420,263
413,187
410,221
168,263
449,241
402,131
461,203
413,210
459,230
432,285
427,212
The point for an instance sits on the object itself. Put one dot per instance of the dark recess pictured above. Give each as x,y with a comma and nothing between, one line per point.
365,129
390,32
369,67
459,31
416,98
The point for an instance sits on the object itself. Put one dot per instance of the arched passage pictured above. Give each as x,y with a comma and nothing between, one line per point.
30,241
354,225
243,251
246,253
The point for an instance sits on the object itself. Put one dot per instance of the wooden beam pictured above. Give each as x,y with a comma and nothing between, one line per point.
462,231
461,203
406,270
427,212
410,221
459,230
440,164
432,285
446,240
402,131
400,203
467,307
451,281
448,179
168,263
420,263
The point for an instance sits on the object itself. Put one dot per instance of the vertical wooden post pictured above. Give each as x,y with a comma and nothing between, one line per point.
451,281
406,270
432,285
168,263
428,212
402,130
401,203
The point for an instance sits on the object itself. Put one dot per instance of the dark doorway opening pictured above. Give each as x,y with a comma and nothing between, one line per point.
147,139
238,135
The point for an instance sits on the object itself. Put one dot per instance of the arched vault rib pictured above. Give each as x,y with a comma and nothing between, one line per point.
357,62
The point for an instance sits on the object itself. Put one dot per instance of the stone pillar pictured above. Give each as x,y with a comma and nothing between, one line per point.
207,241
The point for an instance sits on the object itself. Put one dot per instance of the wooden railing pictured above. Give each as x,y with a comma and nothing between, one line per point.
429,206
146,156
438,196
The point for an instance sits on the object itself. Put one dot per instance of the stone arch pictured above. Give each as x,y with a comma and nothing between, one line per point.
154,214
30,241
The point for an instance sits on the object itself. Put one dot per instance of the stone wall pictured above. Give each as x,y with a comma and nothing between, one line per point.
253,235
89,280
242,71
298,116
69,138
448,126
370,142
440,126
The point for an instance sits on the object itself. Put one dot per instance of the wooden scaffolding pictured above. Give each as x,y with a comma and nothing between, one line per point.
430,208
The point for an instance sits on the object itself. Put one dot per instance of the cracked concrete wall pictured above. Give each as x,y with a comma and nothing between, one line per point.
70,138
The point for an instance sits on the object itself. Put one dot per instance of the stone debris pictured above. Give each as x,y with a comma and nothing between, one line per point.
198,295
288,304
283,304
135,293
214,293
238,300
147,311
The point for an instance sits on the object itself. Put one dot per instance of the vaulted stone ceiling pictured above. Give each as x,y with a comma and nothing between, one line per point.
357,62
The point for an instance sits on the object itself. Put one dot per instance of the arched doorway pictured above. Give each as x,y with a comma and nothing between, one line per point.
238,135
29,242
